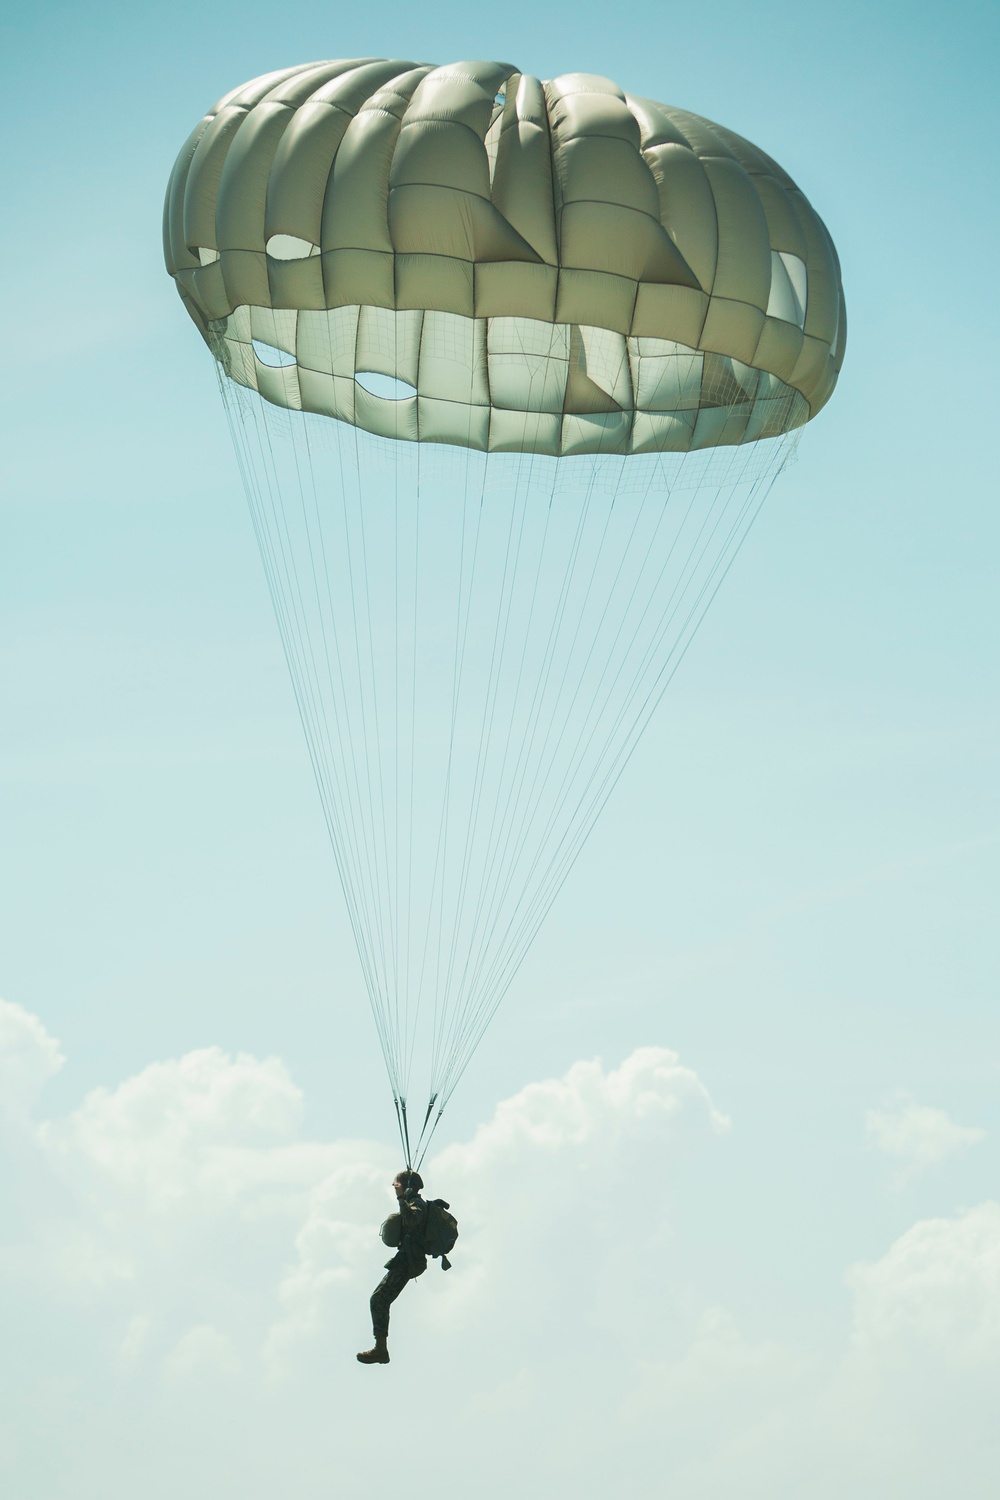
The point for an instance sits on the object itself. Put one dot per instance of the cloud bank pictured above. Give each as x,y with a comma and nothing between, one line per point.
184,1279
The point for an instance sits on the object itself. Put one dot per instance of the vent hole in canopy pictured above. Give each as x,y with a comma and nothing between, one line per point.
269,355
386,386
290,247
789,288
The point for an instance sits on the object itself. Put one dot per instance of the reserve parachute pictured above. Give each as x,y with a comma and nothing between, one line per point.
510,367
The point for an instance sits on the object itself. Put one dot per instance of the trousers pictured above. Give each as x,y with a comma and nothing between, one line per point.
396,1276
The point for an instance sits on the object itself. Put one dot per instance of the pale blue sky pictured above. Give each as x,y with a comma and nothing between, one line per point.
795,885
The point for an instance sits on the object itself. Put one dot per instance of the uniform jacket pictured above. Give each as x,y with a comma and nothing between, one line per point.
410,1255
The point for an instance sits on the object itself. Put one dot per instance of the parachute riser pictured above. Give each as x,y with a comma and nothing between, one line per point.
404,1132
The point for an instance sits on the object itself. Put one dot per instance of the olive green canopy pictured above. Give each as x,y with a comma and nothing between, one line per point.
555,267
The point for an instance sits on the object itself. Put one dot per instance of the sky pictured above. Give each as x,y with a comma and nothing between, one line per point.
725,1165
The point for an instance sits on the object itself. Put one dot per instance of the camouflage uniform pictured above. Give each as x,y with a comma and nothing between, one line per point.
409,1261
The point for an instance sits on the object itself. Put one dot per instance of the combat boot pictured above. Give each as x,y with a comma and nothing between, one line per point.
379,1355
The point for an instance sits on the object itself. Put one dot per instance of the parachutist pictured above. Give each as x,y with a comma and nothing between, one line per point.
416,1231
405,1230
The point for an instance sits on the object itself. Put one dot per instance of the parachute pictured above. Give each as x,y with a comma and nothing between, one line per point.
510,367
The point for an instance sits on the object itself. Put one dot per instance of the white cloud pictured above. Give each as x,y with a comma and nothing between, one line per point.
184,1245
178,1127
154,1183
905,1404
726,1402
29,1057
649,1095
205,1138
937,1288
916,1136
335,1248
717,1360
202,1348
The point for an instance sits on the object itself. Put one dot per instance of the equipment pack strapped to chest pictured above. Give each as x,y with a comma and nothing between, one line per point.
440,1231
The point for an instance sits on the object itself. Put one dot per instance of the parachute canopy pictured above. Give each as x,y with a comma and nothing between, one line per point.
556,267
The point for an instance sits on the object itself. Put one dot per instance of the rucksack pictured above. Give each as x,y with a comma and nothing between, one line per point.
440,1231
